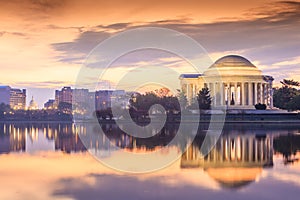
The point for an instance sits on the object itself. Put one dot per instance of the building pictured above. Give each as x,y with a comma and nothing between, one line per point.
105,98
50,104
33,105
4,94
233,81
17,100
64,95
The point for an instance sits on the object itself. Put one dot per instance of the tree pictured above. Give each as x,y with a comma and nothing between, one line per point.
144,101
182,99
286,97
4,109
204,99
294,103
290,83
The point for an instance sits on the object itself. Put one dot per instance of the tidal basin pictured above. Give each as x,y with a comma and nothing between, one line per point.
49,161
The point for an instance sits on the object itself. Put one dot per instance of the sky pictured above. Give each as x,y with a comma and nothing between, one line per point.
43,43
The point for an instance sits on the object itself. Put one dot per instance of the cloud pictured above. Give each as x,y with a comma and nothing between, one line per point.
78,49
116,26
268,37
2,33
43,84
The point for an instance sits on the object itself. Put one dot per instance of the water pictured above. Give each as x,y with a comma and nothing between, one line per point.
49,161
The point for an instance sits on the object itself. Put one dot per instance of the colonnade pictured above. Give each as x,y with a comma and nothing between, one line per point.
235,93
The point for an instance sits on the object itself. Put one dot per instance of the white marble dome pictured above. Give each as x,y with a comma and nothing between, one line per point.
232,65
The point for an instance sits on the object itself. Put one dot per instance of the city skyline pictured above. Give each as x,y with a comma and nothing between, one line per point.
44,43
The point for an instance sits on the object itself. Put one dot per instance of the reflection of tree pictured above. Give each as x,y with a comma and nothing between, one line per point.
288,146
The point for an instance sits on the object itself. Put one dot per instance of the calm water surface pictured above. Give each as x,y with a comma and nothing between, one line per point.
49,161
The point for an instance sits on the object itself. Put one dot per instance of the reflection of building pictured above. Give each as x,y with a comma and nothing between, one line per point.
36,140
235,160
68,140
233,81
11,138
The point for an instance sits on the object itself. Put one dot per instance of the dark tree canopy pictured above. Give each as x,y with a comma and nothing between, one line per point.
290,83
204,99
287,96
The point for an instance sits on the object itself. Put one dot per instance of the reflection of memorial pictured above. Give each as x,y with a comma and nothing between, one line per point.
236,160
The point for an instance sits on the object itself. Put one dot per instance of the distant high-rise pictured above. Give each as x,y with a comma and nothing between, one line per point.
50,104
105,98
17,99
4,94
64,95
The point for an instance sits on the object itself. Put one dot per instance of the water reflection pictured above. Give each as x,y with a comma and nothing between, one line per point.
235,161
248,159
39,137
239,143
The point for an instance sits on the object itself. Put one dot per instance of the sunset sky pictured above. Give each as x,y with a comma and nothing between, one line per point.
44,42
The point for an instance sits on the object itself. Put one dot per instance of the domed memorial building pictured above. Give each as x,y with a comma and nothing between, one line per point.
233,81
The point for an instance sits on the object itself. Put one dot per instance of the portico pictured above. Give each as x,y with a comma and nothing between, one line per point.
233,81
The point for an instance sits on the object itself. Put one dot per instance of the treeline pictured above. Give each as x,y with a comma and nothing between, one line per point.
287,96
140,105
8,114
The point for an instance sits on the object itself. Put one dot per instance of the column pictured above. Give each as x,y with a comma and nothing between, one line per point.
221,94
228,93
261,93
194,91
250,92
264,93
255,93
215,94
267,95
271,96
187,91
235,93
243,95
